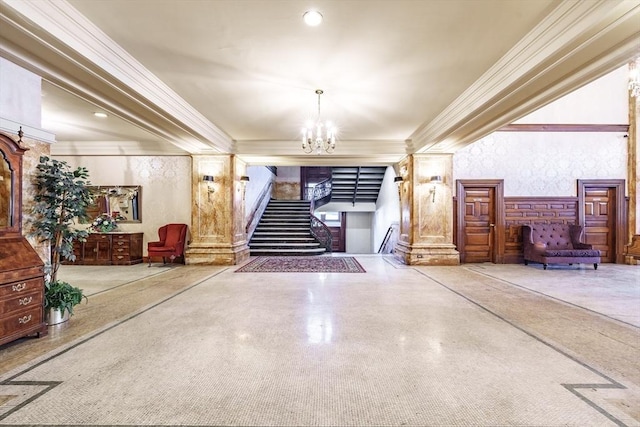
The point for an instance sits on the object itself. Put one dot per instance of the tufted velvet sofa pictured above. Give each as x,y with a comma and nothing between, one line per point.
557,244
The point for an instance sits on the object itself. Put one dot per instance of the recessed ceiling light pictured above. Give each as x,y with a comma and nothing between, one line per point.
312,18
100,114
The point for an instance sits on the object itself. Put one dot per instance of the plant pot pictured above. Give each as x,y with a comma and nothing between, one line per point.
54,316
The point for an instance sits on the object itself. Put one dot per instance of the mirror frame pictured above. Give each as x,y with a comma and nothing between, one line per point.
104,190
12,153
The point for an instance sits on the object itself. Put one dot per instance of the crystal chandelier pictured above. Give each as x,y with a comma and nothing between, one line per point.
634,78
324,138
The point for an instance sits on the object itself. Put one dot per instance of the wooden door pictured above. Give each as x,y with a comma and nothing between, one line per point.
97,249
599,220
479,222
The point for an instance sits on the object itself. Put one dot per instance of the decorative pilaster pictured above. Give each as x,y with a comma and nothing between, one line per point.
217,231
633,223
426,218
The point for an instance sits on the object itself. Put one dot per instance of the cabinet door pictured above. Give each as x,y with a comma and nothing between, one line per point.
97,249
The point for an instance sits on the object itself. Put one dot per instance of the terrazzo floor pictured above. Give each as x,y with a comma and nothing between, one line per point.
478,345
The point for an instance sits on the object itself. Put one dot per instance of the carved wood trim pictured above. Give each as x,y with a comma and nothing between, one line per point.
12,152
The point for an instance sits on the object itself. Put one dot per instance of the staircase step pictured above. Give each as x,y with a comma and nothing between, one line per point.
284,245
284,229
287,252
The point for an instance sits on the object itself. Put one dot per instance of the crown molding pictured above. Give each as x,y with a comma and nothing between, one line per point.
114,148
575,44
30,132
55,41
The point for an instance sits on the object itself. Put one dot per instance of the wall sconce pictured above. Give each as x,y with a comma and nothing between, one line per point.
435,179
244,180
398,181
209,180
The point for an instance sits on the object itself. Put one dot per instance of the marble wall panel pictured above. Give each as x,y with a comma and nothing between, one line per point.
433,221
287,190
30,161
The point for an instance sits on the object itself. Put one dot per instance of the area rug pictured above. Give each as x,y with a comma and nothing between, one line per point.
302,264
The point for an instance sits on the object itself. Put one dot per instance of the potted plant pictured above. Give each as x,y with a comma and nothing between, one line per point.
61,196
59,299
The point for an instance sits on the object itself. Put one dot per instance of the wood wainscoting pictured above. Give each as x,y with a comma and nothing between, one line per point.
588,209
521,211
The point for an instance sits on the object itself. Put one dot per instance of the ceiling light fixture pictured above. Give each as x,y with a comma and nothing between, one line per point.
312,18
634,78
317,143
100,114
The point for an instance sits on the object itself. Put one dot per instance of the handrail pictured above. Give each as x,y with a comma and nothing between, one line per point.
320,191
321,232
387,236
258,210
390,239
319,229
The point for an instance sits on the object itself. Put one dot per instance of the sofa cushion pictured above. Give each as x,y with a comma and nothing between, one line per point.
555,236
571,253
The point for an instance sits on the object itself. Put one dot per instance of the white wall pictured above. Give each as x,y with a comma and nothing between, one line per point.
387,208
550,163
259,177
165,182
20,97
358,234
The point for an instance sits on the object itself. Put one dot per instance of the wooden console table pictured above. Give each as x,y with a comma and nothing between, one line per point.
114,248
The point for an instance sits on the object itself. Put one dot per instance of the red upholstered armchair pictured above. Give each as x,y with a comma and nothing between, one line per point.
171,244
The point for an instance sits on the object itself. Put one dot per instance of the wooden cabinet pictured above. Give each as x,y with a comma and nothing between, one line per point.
115,248
21,291
126,249
21,269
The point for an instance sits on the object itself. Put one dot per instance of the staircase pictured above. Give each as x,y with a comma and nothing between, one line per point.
357,184
284,229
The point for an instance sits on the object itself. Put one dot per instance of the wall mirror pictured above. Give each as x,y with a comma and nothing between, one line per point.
11,186
119,201
5,192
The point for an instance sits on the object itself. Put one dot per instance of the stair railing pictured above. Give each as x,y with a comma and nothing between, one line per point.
321,232
258,210
321,195
384,247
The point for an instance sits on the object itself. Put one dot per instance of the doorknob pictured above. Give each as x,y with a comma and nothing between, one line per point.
492,225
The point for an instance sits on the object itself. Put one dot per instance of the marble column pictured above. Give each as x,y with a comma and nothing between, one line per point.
426,217
218,234
633,159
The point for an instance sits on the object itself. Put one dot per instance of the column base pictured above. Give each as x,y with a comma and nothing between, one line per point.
432,254
208,254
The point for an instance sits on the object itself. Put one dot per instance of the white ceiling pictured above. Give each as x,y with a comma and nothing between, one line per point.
399,76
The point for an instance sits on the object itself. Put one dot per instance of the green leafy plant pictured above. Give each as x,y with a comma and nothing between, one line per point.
61,196
62,296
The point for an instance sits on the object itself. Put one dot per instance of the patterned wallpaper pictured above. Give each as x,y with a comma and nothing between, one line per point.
543,163
165,182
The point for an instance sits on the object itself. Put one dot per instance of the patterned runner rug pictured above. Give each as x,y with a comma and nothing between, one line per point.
302,264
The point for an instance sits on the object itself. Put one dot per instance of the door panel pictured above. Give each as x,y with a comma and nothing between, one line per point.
599,217
479,218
